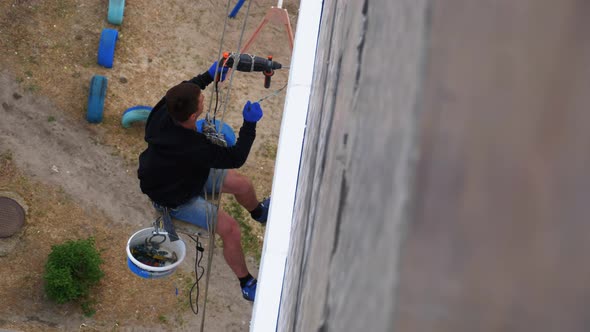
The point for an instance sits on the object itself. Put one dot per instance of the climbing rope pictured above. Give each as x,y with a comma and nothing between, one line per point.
213,209
219,57
274,93
236,61
217,176
211,217
235,57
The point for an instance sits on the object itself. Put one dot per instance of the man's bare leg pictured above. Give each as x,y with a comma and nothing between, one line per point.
242,188
229,231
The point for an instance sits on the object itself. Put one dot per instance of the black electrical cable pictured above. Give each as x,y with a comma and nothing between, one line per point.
199,256
149,242
216,102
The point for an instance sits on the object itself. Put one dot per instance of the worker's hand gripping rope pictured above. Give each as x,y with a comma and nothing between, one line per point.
221,71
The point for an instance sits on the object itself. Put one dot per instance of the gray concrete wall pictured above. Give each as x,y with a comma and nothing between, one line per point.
500,236
354,182
443,184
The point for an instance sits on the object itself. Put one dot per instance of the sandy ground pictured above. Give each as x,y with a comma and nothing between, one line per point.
79,180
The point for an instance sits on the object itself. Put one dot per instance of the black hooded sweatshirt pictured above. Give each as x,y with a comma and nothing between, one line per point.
176,163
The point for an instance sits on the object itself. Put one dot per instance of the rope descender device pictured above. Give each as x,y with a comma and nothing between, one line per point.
210,131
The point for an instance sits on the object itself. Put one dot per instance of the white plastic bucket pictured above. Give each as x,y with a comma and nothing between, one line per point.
151,272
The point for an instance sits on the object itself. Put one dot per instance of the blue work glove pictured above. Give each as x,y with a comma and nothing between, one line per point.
252,112
222,69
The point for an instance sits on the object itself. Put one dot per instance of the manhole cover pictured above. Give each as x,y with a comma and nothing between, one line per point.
12,217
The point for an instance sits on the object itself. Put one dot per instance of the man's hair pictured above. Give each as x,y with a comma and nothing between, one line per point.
181,100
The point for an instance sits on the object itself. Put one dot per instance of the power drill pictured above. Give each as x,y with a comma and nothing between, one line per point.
250,63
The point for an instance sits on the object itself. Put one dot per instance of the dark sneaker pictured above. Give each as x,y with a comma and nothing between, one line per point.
265,204
249,290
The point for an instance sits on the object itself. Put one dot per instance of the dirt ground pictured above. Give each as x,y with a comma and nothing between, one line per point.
79,180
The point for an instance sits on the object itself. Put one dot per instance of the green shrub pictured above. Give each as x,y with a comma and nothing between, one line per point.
71,269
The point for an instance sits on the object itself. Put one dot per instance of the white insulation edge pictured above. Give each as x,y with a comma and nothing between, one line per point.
278,228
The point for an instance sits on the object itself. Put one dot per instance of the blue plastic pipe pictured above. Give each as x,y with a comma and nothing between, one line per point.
236,9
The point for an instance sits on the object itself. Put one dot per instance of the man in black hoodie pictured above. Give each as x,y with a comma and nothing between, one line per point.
179,163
